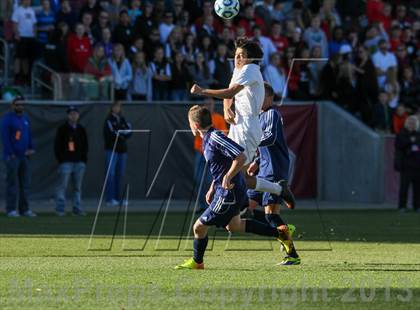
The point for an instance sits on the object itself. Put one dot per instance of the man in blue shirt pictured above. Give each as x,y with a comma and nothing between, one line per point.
17,147
227,193
272,164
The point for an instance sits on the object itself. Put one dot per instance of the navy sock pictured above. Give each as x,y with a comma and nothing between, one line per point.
255,227
274,220
200,246
259,215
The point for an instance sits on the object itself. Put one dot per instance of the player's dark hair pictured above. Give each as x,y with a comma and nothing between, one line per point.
201,115
252,48
268,90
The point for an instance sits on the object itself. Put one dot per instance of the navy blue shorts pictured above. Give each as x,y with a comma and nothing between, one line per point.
223,208
264,199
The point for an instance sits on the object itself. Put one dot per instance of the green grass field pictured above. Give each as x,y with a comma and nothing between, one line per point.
350,260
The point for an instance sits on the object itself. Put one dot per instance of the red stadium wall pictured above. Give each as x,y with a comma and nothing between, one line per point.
300,123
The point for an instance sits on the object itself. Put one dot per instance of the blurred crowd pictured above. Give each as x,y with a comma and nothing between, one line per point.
361,54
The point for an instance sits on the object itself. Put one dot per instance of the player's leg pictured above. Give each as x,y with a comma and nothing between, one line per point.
260,184
237,224
271,205
199,245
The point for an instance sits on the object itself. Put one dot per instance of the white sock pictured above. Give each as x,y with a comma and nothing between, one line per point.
268,187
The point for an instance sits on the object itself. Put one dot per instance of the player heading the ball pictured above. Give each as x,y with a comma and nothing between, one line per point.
246,94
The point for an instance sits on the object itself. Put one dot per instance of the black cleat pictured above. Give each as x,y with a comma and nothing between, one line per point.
287,195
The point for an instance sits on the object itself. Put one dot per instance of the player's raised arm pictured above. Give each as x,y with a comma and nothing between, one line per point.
226,93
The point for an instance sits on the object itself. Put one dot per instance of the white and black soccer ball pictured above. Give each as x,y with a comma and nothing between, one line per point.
226,9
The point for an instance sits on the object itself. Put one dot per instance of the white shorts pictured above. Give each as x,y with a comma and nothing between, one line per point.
247,133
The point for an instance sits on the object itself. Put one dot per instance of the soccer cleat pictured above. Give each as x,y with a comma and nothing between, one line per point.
190,264
291,229
287,195
13,214
288,260
29,213
285,239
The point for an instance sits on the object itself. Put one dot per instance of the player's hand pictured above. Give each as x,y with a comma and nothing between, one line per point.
196,90
229,116
252,169
226,184
209,196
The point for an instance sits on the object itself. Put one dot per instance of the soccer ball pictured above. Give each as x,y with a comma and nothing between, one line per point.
226,9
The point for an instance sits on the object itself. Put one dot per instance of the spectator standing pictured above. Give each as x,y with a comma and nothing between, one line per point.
161,71
407,162
315,68
337,41
100,25
55,53
135,11
114,8
71,151
17,148
123,32
266,45
279,41
98,64
107,42
221,68
384,61
200,73
24,23
87,20
66,14
121,72
366,84
249,21
145,23
315,36
398,119
410,90
79,49
190,48
45,22
275,76
137,47
180,78
141,87
92,7
382,114
165,28
116,132
174,42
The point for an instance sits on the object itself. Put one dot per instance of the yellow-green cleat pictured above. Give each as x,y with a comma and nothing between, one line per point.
289,261
190,264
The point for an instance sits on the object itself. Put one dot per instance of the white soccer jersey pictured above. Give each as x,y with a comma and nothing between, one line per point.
248,101
247,131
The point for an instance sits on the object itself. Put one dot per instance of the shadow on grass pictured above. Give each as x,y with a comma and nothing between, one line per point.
326,225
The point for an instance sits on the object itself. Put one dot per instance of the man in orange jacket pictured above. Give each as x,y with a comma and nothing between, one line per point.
201,175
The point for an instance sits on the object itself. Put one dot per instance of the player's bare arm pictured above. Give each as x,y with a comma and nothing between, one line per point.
226,93
228,114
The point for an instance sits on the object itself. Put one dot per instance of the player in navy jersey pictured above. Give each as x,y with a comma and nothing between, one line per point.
272,164
227,193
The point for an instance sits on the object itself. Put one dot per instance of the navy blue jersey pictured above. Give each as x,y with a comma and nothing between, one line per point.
219,152
274,154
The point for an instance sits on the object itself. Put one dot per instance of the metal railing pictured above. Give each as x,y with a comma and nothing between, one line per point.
55,87
5,59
